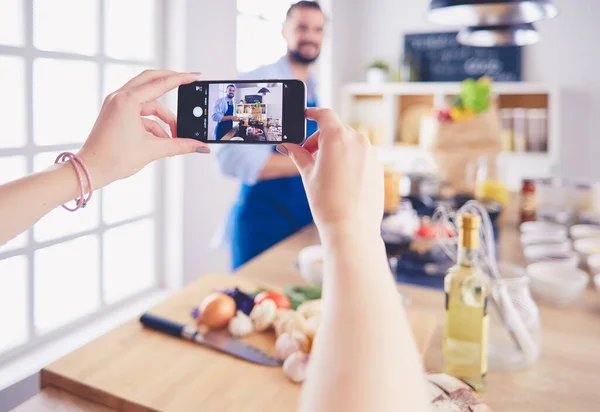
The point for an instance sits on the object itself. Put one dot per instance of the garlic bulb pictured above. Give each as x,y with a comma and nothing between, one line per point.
241,325
310,308
263,315
311,325
290,322
288,343
295,366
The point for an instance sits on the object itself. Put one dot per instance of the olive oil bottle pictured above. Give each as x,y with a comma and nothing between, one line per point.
466,328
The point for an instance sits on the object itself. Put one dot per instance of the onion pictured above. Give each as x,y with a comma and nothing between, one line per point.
216,310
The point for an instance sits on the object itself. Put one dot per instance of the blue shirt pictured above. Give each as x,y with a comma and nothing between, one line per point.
245,162
221,106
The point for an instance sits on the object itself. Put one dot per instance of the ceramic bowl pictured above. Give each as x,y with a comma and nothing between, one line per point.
584,231
587,247
310,264
560,253
546,236
555,284
539,226
593,263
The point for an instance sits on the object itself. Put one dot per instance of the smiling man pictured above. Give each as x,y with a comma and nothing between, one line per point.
272,203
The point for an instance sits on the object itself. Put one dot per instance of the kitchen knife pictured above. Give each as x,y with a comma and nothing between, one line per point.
218,340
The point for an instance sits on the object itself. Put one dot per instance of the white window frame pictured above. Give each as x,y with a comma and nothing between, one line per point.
29,53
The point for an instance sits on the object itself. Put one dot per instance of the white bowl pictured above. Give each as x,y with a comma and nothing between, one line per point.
584,231
546,236
310,263
593,262
560,253
556,284
587,247
539,226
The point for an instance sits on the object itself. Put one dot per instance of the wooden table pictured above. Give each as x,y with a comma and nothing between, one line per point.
565,378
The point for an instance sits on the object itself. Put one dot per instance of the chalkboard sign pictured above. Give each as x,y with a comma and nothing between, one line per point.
253,98
438,57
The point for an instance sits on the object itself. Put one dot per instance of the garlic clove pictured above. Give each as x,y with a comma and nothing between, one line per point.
263,315
311,325
241,325
293,323
310,308
295,366
288,343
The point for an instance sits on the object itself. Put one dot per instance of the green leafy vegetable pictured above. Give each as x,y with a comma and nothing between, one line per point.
300,294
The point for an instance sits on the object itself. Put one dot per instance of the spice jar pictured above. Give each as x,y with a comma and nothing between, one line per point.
391,189
527,210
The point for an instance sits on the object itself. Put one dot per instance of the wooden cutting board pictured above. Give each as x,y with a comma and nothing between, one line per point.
135,369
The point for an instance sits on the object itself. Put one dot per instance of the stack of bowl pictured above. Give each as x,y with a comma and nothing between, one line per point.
553,265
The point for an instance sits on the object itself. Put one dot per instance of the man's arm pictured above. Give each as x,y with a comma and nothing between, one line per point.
219,112
252,163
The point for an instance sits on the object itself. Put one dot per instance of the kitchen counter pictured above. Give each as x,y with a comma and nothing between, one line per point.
565,378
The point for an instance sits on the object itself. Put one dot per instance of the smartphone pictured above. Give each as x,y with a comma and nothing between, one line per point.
242,112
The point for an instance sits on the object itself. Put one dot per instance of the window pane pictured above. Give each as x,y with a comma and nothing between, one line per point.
11,23
65,100
66,25
130,197
129,260
272,47
14,309
12,168
66,282
116,75
12,101
122,40
60,222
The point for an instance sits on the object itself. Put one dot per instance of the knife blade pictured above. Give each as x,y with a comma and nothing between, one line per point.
218,340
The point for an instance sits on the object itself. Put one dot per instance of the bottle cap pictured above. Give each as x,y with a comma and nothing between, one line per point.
469,221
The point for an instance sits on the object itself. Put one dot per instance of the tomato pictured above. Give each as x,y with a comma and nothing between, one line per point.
280,299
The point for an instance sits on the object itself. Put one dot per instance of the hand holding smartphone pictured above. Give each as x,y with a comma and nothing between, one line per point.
242,112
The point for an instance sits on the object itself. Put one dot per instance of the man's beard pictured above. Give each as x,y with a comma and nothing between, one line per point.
299,58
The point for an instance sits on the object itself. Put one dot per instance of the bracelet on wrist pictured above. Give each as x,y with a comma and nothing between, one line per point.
78,164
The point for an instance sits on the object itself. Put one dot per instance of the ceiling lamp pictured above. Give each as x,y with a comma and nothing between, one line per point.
264,91
499,36
489,12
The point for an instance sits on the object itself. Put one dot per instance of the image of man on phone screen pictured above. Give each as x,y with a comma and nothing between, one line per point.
272,203
223,113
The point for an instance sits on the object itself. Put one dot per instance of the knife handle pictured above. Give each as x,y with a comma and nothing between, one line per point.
165,326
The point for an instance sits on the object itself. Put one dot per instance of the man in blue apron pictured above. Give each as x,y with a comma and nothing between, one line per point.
223,113
272,203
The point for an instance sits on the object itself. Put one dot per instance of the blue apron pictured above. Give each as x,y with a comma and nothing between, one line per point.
268,212
224,127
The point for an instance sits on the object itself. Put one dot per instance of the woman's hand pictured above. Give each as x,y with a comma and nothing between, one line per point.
122,141
344,184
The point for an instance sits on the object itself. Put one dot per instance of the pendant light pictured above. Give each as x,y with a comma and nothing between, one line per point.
264,91
499,36
489,12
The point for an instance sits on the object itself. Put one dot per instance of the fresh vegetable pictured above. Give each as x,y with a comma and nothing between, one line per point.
263,315
280,300
243,301
241,325
216,310
289,322
311,326
295,365
310,308
288,343
300,294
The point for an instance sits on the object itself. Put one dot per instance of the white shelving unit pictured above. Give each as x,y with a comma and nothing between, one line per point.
379,108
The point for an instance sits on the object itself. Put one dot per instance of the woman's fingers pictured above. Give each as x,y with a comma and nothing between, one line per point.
156,87
301,157
153,127
155,108
144,77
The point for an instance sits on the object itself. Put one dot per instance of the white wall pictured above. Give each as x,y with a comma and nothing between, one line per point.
566,56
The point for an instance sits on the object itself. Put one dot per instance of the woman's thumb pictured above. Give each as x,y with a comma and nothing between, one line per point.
301,157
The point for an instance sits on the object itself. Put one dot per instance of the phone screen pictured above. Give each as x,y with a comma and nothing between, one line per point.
249,111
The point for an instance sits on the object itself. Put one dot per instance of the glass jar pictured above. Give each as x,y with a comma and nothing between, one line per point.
392,197
503,353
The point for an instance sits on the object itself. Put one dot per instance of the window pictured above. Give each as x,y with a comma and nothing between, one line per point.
56,70
259,39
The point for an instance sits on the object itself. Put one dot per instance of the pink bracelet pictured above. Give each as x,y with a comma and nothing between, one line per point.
76,161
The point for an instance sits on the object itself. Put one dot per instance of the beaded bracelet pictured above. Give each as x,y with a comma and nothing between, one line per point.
77,163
